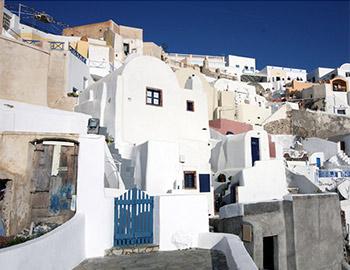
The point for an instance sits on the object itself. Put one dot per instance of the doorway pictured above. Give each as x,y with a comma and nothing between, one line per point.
270,253
255,149
342,146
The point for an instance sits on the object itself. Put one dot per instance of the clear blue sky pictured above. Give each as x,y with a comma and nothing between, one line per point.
296,34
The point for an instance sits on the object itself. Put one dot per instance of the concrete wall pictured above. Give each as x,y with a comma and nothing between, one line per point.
317,221
60,249
23,72
308,230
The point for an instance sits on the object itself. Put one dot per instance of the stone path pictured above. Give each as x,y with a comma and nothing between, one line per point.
193,259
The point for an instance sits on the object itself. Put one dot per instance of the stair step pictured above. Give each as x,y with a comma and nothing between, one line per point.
135,249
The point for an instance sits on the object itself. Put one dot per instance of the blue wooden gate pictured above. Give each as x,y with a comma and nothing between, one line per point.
133,218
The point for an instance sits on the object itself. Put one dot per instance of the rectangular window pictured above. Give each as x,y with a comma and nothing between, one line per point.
237,66
341,111
126,48
347,74
190,179
153,97
190,106
252,68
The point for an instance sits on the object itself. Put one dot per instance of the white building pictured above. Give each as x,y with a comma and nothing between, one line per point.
279,76
160,130
244,169
318,73
332,97
214,61
239,101
238,65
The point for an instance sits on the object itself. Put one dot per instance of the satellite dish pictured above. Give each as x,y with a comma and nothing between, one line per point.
344,189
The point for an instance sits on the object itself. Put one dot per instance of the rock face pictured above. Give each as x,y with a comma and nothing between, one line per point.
310,124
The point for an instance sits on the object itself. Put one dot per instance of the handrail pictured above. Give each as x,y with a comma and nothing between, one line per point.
77,54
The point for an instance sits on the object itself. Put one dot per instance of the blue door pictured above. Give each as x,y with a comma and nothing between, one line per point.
318,162
204,183
255,148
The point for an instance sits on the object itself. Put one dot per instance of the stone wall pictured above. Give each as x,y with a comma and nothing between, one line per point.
16,163
305,123
23,72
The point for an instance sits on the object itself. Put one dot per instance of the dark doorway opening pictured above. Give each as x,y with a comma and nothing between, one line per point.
255,149
342,146
233,193
269,253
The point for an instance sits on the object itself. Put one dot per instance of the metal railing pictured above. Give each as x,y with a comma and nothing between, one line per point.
77,54
56,45
329,174
32,41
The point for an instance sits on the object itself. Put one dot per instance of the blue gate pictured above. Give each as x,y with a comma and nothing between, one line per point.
133,218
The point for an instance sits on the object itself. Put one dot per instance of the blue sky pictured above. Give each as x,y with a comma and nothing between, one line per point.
296,34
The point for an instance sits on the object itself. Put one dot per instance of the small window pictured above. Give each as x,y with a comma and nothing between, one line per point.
347,74
190,106
246,67
278,79
252,68
341,111
190,179
126,48
153,97
237,66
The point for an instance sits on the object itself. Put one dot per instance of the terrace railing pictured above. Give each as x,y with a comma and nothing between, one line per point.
77,54
56,45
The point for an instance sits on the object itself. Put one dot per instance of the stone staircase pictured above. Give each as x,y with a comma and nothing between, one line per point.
129,250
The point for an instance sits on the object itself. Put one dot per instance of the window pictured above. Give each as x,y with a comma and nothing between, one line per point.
252,68
85,83
126,48
153,97
347,74
246,67
237,66
190,179
190,106
278,79
341,111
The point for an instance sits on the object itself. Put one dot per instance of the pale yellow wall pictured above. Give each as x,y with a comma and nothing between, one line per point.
152,49
57,82
182,75
23,72
83,48
226,98
252,114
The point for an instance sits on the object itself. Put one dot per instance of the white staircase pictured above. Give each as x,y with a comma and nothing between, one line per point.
343,158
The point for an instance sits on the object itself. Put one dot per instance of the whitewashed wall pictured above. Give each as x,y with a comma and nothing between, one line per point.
18,116
265,181
232,246
179,219
60,249
97,209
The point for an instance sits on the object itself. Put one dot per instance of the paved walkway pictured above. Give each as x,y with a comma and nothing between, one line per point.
193,259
